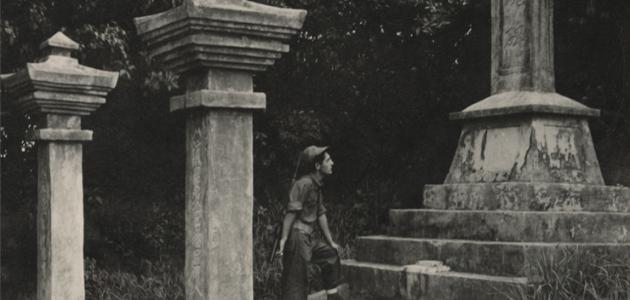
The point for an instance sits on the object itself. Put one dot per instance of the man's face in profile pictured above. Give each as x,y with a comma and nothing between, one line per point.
326,167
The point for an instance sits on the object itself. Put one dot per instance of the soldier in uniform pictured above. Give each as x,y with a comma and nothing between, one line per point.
298,248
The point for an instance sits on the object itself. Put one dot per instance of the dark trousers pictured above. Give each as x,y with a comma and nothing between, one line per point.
299,251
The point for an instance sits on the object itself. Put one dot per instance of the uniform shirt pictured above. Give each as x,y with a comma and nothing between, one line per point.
306,198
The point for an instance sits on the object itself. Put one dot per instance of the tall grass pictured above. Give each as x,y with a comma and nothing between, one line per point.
577,274
131,272
160,280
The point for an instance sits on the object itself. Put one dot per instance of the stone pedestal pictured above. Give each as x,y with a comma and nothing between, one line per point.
525,131
216,46
524,184
57,92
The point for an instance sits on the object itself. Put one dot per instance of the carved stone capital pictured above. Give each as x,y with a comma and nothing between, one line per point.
58,84
226,34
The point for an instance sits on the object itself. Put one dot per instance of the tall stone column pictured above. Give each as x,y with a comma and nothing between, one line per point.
58,91
525,131
524,144
216,46
524,187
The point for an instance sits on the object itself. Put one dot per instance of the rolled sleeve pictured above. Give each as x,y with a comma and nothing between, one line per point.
295,199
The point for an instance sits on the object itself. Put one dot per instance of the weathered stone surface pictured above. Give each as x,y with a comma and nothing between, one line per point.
525,102
59,84
216,45
368,280
57,91
528,196
219,192
380,281
48,134
522,45
482,257
61,42
522,71
60,222
218,99
528,149
512,226
237,35
524,184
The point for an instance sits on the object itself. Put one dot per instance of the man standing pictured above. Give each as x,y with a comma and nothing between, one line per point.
297,246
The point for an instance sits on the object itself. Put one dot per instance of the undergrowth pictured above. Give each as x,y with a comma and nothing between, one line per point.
577,274
155,270
160,280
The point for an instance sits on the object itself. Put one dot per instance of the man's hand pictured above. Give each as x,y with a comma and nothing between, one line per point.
335,246
280,253
281,248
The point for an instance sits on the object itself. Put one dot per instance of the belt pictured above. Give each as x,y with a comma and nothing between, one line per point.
303,227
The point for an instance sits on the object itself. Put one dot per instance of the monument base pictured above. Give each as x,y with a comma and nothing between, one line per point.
526,148
527,196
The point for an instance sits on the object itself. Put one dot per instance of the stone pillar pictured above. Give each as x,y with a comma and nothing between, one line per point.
525,131
216,46
525,139
58,91
522,45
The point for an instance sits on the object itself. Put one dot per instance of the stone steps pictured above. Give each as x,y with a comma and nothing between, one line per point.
389,282
512,226
489,235
482,257
528,196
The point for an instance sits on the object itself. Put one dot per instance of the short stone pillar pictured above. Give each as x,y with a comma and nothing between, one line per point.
217,45
57,92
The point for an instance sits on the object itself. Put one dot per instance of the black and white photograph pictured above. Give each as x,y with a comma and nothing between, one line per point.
315,149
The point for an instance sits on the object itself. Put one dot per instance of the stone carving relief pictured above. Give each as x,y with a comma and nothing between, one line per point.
514,53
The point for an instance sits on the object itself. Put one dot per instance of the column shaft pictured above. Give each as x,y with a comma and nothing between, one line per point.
522,46
60,221
219,194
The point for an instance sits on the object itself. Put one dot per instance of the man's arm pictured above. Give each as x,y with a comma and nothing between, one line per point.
323,224
286,227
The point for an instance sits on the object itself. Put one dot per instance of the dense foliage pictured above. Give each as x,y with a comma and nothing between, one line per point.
374,79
